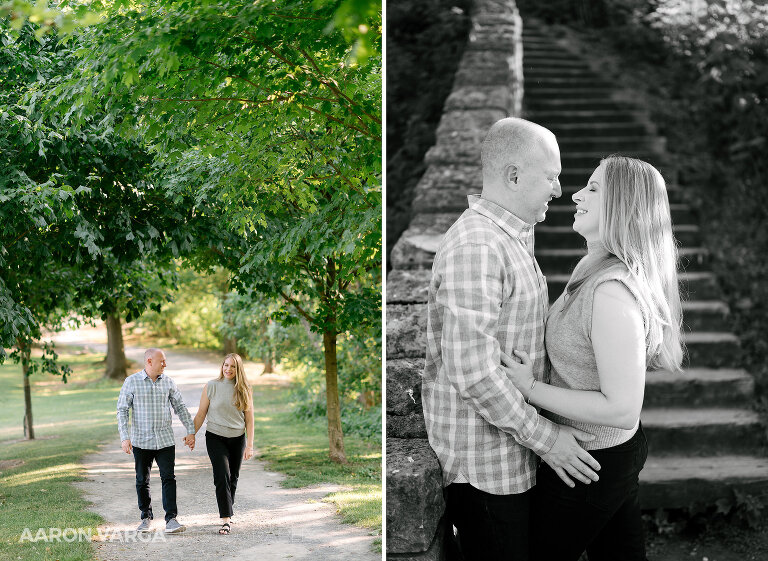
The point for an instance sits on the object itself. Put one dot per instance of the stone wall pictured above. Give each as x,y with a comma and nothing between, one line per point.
487,87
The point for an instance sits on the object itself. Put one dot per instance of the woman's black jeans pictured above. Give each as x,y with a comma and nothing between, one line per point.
601,517
226,456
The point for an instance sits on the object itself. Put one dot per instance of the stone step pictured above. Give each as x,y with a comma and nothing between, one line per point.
546,51
581,116
533,60
415,502
607,144
712,349
556,81
679,481
575,104
561,261
539,89
702,431
593,129
697,387
534,72
551,237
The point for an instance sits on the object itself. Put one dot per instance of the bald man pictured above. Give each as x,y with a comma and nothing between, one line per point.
151,394
487,295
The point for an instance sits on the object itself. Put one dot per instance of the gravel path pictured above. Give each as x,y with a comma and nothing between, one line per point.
270,522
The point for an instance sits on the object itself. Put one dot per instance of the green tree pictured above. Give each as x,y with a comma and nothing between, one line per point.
268,119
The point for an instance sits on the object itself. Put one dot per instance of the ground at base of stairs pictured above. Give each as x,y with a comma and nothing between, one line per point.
728,543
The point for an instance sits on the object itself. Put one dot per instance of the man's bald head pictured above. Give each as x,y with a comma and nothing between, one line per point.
512,141
154,361
521,165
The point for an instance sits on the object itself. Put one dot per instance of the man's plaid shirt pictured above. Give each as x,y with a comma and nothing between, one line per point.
151,403
487,293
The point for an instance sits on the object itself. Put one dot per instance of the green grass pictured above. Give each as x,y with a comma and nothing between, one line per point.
70,420
299,449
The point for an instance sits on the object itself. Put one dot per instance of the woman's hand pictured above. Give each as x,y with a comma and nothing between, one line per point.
520,374
248,454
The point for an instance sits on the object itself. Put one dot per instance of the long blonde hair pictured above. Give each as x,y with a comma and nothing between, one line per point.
243,393
636,229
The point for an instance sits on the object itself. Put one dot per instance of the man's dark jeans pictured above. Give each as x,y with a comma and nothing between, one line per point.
165,458
490,527
602,517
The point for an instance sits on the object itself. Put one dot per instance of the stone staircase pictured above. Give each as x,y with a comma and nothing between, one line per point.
704,437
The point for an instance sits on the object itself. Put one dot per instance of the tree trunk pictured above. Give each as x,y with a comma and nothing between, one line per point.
335,434
230,345
29,430
269,366
116,362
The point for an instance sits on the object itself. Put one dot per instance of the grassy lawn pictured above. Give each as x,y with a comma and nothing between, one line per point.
299,449
70,420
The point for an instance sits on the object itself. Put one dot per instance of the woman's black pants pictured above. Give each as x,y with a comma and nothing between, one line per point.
226,455
601,517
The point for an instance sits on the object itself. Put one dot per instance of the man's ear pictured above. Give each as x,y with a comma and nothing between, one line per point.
511,175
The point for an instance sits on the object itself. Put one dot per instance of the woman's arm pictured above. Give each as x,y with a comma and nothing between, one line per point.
618,340
248,454
202,411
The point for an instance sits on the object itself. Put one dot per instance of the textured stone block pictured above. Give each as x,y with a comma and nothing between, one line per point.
408,287
404,386
487,97
474,122
417,246
436,551
414,495
406,331
406,426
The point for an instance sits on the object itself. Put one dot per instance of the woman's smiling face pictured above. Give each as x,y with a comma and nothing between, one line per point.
229,368
588,201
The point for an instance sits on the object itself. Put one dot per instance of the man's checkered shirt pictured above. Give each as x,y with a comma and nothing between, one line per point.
487,293
151,403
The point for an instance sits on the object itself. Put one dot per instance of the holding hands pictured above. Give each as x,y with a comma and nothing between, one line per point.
189,440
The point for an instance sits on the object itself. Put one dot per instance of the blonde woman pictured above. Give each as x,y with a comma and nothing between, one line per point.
227,402
619,316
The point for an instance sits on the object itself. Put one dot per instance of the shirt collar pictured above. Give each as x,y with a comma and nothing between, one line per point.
507,221
147,375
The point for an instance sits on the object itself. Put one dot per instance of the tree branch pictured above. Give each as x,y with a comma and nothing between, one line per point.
295,304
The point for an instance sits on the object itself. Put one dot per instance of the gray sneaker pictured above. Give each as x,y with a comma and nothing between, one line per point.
173,527
144,526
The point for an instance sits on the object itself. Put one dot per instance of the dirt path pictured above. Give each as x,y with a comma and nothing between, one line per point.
270,522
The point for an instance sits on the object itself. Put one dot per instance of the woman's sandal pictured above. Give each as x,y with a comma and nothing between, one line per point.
225,529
